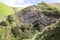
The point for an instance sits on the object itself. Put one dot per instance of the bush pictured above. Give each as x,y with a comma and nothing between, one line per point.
4,23
11,18
49,11
25,26
22,32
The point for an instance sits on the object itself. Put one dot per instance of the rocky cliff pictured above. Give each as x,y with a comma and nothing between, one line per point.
33,14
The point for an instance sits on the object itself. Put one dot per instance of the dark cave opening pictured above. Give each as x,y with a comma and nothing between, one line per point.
36,25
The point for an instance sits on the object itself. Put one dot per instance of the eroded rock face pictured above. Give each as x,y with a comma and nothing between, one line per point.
33,15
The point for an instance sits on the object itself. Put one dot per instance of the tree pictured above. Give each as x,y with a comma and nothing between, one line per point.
11,18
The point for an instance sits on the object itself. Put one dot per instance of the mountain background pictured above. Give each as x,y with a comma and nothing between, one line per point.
6,10
13,27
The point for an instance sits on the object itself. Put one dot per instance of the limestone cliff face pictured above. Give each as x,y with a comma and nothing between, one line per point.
33,15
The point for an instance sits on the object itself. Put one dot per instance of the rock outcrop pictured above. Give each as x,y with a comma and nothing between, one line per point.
33,15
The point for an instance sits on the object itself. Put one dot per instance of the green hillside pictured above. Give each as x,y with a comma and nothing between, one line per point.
55,5
5,10
17,9
36,22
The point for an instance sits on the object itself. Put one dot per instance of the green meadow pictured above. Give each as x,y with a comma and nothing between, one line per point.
5,10
55,5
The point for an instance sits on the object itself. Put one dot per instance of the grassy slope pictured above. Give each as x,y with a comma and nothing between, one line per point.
55,5
5,10
19,8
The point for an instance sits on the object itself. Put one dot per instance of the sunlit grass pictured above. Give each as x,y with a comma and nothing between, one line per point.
55,5
5,10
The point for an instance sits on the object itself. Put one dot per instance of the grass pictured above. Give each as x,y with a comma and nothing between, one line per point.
5,10
55,5
19,8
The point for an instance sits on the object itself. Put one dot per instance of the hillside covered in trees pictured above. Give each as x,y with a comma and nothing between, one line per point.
36,22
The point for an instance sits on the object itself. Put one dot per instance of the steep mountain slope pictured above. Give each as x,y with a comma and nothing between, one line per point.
40,16
30,23
41,12
5,10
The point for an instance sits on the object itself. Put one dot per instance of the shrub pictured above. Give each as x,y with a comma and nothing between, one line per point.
27,26
4,23
11,18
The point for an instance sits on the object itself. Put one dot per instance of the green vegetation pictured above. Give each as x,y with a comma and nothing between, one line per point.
5,30
16,32
49,10
18,9
4,23
11,18
5,10
55,5
23,31
52,33
12,29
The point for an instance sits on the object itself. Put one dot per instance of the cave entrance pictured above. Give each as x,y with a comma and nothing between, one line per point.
36,25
